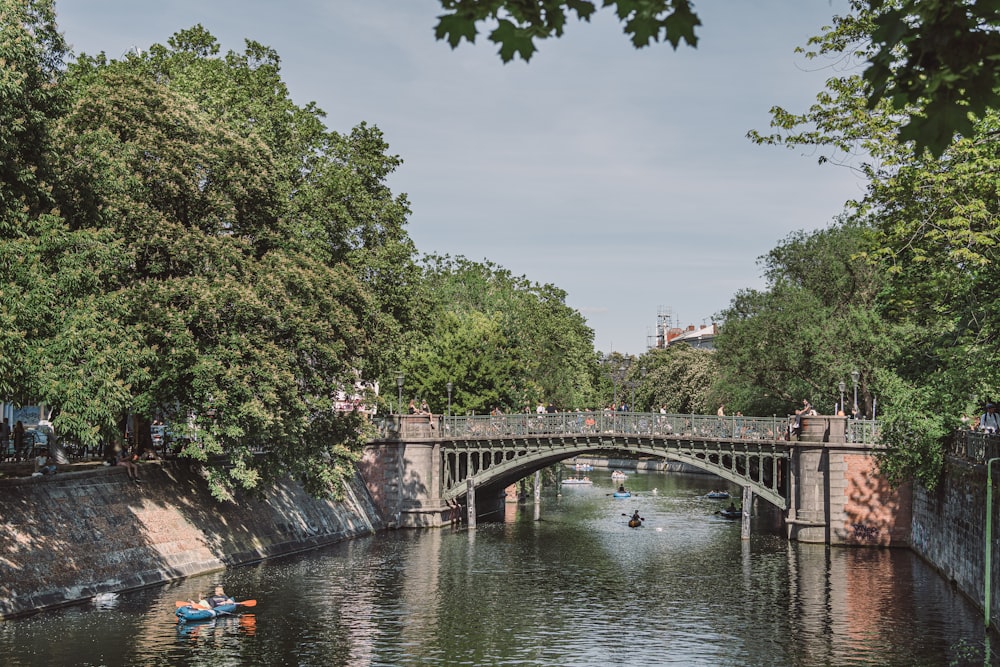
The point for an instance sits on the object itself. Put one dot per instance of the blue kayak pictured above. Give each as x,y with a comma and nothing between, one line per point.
189,613
621,494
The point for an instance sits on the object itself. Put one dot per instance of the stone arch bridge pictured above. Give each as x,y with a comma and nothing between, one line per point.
428,471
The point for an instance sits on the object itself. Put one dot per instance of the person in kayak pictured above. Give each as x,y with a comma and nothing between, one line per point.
219,598
199,602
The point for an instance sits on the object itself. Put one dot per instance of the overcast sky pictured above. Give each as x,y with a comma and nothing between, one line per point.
623,177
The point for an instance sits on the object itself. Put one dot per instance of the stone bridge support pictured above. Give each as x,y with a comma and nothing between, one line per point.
403,476
836,495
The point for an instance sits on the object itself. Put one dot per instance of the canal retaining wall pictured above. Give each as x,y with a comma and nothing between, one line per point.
71,536
949,530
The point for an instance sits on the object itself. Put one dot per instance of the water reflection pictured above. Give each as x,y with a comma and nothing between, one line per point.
577,587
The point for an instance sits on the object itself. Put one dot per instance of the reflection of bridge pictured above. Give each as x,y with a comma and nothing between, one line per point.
420,471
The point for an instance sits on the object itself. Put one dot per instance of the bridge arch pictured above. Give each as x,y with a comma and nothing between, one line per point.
763,469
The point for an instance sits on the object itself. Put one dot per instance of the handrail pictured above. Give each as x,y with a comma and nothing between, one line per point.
976,446
604,422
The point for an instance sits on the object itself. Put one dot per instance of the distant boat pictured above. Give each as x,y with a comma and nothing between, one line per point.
583,467
618,475
577,480
731,513
622,494
717,495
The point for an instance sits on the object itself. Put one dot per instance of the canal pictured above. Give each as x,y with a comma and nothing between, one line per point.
577,587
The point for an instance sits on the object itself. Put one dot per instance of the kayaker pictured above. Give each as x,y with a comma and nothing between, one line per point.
621,488
201,603
636,519
219,598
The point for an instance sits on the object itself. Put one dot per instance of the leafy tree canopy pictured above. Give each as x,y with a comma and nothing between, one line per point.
678,378
501,340
814,324
201,250
933,60
933,234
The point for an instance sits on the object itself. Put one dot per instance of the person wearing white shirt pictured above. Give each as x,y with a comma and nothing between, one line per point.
990,421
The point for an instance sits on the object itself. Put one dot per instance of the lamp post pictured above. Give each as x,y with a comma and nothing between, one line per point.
855,376
449,385
619,373
842,386
399,391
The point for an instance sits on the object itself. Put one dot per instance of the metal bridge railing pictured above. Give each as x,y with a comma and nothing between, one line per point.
604,422
976,446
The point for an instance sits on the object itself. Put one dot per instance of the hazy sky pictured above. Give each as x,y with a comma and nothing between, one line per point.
623,177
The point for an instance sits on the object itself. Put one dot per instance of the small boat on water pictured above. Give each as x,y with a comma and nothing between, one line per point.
717,495
634,523
577,480
199,613
622,494
583,467
731,513
618,475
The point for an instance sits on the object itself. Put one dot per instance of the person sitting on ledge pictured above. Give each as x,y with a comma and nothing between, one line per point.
44,463
125,460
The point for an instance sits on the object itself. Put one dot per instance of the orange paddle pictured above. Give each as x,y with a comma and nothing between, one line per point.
181,603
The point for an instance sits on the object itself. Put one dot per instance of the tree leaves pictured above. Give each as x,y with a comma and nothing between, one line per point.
933,61
939,57
501,340
218,260
520,23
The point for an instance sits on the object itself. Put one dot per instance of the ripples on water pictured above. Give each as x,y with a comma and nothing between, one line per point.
578,587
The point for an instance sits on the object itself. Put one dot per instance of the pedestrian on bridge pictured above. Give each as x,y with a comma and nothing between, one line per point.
990,421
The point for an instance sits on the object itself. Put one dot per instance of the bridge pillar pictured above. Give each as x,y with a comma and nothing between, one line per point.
403,475
747,503
836,494
470,509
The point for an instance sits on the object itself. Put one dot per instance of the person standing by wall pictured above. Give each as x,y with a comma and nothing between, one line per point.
5,437
19,440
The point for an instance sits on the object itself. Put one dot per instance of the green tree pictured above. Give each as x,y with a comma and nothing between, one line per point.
532,346
31,61
31,58
217,257
678,378
933,223
805,333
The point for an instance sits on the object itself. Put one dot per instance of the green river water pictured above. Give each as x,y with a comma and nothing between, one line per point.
563,583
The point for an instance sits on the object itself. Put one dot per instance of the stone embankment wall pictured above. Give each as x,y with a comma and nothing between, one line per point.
71,536
949,530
